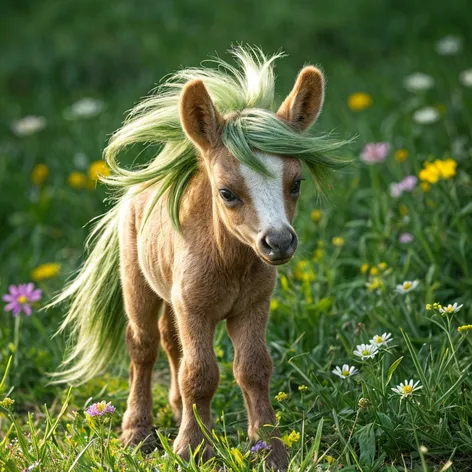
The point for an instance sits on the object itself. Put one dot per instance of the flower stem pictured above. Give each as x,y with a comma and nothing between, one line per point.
16,340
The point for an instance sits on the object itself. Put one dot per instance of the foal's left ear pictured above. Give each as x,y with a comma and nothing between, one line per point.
199,117
303,104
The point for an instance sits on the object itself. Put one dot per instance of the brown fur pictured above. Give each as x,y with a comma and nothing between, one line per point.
209,272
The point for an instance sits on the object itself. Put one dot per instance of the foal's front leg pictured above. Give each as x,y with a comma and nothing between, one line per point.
198,377
252,370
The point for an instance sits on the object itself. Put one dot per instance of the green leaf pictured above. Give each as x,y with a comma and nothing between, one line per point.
366,438
392,369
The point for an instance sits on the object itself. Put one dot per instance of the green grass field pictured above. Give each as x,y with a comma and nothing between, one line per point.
356,247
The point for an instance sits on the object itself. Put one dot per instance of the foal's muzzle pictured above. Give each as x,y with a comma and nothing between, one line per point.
277,246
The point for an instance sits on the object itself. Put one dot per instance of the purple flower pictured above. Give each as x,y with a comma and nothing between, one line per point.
100,409
406,238
374,153
259,446
406,185
20,298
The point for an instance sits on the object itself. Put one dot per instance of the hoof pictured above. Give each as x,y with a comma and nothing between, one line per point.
182,448
135,436
277,460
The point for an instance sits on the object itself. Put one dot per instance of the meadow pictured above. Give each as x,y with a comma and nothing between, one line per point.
370,327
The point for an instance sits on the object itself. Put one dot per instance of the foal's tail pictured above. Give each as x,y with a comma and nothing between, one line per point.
96,317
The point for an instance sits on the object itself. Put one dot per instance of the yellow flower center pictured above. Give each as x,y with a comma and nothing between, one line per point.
365,352
101,406
406,285
346,373
22,299
378,339
407,389
449,308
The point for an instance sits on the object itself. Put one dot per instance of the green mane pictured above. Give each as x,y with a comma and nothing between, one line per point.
246,93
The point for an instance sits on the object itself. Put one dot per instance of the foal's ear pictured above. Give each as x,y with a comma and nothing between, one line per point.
303,104
199,117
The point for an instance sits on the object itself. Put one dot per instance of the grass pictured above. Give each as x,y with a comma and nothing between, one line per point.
55,53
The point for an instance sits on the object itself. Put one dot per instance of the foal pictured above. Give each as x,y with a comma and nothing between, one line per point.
231,200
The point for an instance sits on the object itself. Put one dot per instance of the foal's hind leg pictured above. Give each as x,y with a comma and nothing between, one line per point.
142,337
252,370
171,344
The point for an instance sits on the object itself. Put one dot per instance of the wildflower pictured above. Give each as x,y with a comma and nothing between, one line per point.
338,241
449,45
382,265
401,155
259,446
465,77
7,402
274,304
302,388
429,307
406,238
359,101
374,153
45,271
450,309
418,82
345,372
291,438
366,351
407,286
28,125
364,268
425,186
406,389
330,459
315,215
426,115
464,328
446,168
77,180
39,174
303,272
284,283
20,298
381,340
98,169
374,271
84,108
278,416
281,396
100,409
374,284
363,403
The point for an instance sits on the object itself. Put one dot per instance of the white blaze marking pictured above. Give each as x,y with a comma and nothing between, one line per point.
267,192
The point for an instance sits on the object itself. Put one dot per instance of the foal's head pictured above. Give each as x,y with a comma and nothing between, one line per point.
256,201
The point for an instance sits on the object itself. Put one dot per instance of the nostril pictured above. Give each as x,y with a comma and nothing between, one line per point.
269,243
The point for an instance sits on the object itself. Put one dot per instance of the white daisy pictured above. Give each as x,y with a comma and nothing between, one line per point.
407,286
449,45
366,351
381,340
406,389
418,81
426,115
345,372
84,108
466,77
450,309
28,125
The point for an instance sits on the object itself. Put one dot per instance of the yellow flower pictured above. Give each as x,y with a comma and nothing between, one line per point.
429,307
77,180
318,254
329,459
39,174
45,271
382,266
281,396
439,169
425,186
359,101
291,438
302,388
7,402
463,329
219,352
274,304
316,215
284,283
401,155
364,268
446,168
98,169
278,416
374,271
338,241
374,284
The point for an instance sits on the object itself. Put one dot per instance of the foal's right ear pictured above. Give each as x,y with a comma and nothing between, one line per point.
200,120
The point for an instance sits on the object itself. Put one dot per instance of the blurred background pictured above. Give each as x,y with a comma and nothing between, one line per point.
70,70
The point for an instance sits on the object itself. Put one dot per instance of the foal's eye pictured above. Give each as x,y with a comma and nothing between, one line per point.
295,190
228,195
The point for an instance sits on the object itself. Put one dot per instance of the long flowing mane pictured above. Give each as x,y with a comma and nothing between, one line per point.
245,95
